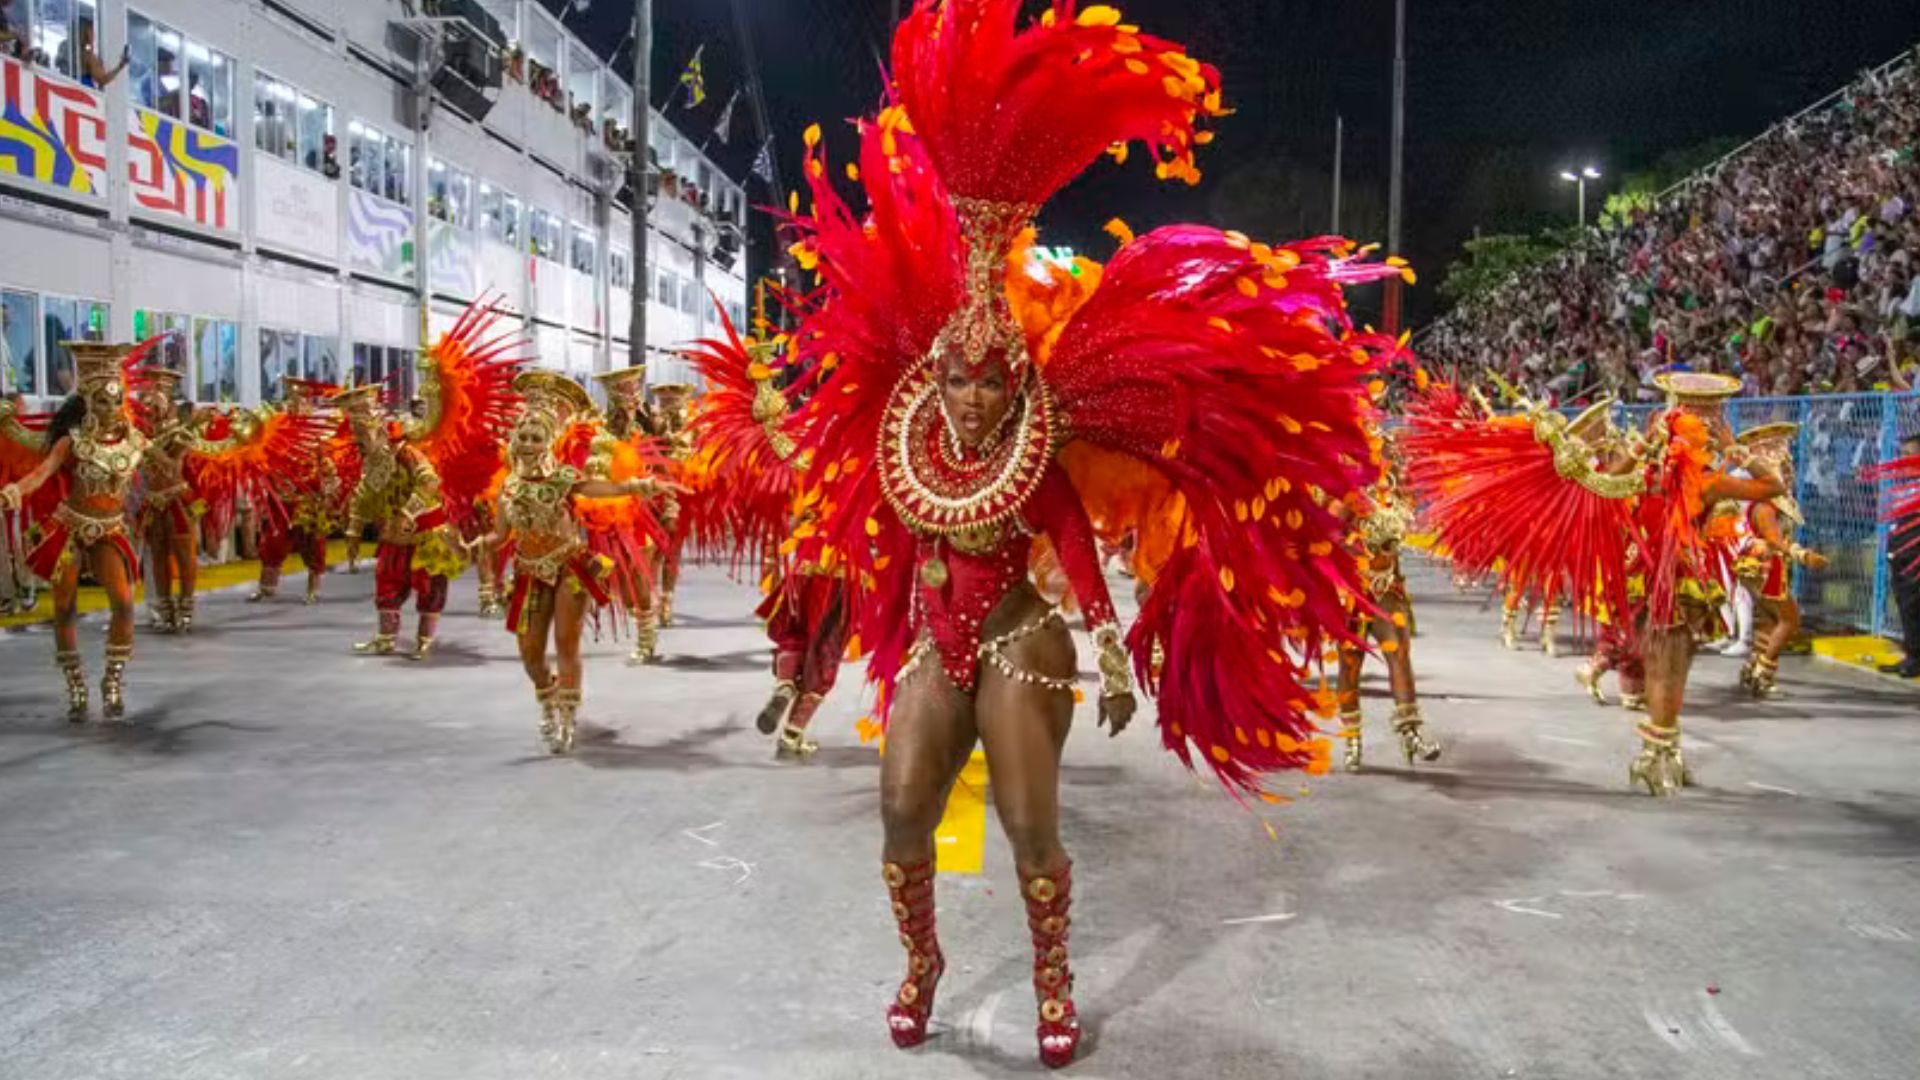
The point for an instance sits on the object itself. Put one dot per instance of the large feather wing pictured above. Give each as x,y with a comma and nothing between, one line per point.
468,387
1230,370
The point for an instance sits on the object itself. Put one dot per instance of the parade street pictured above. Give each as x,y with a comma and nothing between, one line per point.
293,862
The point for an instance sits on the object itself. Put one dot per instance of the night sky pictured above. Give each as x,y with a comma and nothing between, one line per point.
1501,95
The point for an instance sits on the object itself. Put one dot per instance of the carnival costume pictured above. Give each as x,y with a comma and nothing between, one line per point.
315,498
559,573
1382,521
1579,509
92,462
1767,553
1201,386
630,438
419,479
751,502
670,412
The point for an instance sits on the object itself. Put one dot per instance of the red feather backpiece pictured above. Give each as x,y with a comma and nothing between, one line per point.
1495,499
743,462
258,455
468,383
23,446
1229,368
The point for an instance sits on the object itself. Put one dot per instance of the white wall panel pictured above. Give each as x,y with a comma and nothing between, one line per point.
50,259
163,281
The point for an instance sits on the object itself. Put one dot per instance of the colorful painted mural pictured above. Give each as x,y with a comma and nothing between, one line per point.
178,169
379,235
52,131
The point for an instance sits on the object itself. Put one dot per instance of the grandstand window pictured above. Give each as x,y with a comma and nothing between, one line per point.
378,162
450,194
179,77
216,357
292,126
61,31
174,347
19,348
64,319
499,215
619,268
581,250
544,230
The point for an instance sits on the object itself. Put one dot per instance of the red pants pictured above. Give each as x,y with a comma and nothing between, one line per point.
1625,660
276,544
807,620
394,578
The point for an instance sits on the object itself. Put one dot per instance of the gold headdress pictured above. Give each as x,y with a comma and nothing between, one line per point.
983,324
624,386
1697,388
95,362
552,396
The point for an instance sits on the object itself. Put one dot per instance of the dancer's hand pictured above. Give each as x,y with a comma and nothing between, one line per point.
1116,712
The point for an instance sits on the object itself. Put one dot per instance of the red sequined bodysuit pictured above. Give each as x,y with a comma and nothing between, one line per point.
974,516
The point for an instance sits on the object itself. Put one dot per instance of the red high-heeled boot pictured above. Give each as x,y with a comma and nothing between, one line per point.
1048,900
911,890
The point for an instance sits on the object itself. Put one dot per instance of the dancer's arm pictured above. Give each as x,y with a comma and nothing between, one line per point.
1063,518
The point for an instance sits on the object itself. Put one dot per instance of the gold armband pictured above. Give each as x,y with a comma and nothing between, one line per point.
1116,674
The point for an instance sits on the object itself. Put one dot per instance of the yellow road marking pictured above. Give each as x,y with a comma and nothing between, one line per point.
961,838
93,598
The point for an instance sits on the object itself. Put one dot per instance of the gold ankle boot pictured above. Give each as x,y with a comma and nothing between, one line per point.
544,697
1352,752
1587,676
1510,628
566,706
794,743
1412,729
74,670
113,702
1659,767
1766,678
774,712
1548,620
646,639
1633,702
183,614
423,645
381,644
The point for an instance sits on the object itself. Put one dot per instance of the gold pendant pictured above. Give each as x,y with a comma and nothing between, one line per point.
933,573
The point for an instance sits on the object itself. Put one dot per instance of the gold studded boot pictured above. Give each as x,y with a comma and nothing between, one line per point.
423,646
785,692
183,614
566,707
381,644
1411,726
1549,619
1510,626
1588,677
646,638
74,670
1659,767
1049,900
794,744
113,702
910,888
1766,678
544,697
1351,751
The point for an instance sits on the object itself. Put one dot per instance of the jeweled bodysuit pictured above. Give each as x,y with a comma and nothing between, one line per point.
102,473
974,516
548,546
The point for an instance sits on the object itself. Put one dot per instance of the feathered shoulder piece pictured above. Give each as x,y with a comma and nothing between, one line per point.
23,446
1899,505
466,382
258,454
1545,497
745,460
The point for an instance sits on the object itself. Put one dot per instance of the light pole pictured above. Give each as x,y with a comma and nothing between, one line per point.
1586,174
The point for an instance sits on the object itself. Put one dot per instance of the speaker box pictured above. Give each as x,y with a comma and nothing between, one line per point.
456,90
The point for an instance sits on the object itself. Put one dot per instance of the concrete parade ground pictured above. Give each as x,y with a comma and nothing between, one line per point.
290,861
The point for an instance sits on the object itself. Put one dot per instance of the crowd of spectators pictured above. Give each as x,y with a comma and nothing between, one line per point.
1793,264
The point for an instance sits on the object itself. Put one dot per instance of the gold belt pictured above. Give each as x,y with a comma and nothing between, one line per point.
85,530
547,568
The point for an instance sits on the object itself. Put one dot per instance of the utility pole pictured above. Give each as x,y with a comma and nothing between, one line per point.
1339,145
1391,316
642,289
